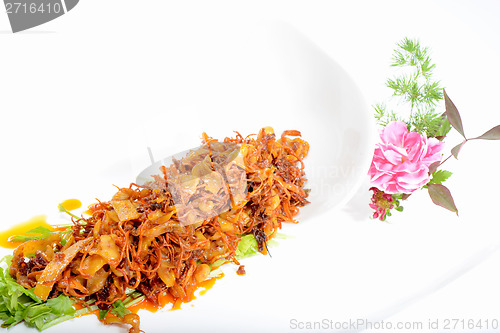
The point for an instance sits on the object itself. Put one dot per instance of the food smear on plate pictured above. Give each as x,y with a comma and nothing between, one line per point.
158,242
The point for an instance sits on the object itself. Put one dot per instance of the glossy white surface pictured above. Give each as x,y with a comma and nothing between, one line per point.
81,103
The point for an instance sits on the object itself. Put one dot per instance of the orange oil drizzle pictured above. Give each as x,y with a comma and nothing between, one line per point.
6,237
71,204
21,229
164,300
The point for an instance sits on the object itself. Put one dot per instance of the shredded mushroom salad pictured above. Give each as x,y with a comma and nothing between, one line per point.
220,203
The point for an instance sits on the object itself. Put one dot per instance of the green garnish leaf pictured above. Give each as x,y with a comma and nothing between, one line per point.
61,305
416,89
444,129
103,314
134,298
119,309
64,210
440,176
247,247
280,235
18,304
39,233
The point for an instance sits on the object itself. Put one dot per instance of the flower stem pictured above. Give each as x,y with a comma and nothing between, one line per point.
445,160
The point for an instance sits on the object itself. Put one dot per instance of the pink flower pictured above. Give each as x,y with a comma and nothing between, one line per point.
381,202
401,162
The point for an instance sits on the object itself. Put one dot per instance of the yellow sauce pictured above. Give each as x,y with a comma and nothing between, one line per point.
21,229
71,204
6,237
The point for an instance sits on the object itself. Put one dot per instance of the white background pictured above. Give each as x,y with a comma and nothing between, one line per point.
82,96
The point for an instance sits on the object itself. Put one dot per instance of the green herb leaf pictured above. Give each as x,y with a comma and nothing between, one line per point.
439,176
426,121
40,233
247,247
103,314
119,309
416,89
133,298
19,304
61,305
444,129
64,210
380,110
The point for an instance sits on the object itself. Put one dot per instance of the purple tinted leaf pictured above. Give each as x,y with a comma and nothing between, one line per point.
492,134
457,149
433,167
453,115
441,196
405,196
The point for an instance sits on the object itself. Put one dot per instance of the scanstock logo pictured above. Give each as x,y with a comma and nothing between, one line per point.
26,14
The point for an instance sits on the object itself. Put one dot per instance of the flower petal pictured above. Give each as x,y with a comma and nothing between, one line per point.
393,154
415,145
394,133
401,162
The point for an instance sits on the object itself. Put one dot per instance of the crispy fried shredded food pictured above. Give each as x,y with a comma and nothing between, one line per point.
163,237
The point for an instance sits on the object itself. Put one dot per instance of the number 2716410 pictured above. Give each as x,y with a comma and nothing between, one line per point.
32,8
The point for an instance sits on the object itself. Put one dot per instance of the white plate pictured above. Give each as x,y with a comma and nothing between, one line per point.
240,79
271,75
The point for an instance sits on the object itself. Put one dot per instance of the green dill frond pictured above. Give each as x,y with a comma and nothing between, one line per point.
426,121
393,117
426,68
410,53
379,111
432,92
382,116
415,87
